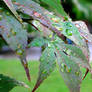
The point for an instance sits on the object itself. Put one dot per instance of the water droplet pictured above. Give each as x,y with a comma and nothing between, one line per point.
68,32
19,46
13,32
24,25
49,45
8,35
77,73
55,19
1,17
63,67
68,69
66,18
50,36
19,52
44,72
68,51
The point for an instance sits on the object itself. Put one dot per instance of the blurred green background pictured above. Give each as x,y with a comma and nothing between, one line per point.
54,83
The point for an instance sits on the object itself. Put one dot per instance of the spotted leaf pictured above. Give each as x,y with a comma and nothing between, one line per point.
70,71
15,36
47,65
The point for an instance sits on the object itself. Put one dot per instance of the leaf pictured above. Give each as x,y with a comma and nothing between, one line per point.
47,65
38,42
54,23
7,83
52,4
76,54
11,7
83,29
70,71
15,36
84,32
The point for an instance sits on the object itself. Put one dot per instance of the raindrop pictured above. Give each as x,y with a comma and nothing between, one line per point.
55,19
77,73
50,36
49,45
13,32
68,51
66,18
8,35
63,67
68,32
19,46
68,69
44,72
19,52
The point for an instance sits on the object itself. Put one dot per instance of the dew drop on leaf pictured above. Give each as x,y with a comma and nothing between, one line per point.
19,52
55,20
68,69
8,35
13,32
68,32
77,73
50,36
19,46
63,67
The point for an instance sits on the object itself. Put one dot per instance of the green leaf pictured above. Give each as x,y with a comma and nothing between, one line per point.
7,83
15,35
54,5
76,54
70,71
11,7
47,65
38,42
51,21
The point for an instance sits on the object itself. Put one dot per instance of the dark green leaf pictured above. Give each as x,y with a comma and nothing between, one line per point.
54,5
7,83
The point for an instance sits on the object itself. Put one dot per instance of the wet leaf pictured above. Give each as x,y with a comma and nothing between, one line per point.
47,65
76,54
15,36
7,83
38,42
83,29
70,71
11,7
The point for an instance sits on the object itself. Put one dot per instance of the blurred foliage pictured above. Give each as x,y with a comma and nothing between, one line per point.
79,9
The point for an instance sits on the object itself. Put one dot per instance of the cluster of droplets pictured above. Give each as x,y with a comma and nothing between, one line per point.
68,30
68,69
12,32
19,50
